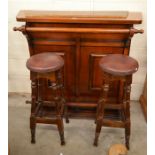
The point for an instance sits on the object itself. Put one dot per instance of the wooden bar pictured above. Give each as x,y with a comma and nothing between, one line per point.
81,38
46,121
76,30
110,123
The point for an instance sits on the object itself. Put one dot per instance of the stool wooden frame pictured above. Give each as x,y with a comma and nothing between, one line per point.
41,109
123,105
125,108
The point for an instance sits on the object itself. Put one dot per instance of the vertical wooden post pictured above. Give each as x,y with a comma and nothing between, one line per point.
100,110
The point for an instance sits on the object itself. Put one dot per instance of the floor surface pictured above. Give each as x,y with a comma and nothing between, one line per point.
79,134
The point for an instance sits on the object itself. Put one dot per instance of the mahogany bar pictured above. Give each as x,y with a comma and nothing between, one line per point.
81,38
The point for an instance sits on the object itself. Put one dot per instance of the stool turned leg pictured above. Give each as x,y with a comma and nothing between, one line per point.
97,132
62,96
60,125
60,81
97,111
127,114
66,114
60,101
33,105
61,131
100,112
33,128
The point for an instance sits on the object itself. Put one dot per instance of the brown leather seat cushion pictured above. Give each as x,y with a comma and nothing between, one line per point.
44,62
118,64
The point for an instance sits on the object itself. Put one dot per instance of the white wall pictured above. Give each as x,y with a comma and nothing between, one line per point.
18,49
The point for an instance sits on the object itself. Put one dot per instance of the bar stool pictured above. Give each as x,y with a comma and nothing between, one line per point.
115,67
46,66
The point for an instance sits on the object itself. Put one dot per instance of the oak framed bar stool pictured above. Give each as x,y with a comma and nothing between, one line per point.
115,67
47,66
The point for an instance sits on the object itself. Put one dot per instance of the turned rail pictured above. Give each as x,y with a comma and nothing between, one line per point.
76,30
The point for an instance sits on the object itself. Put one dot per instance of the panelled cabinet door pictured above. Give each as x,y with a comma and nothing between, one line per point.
93,47
90,75
69,72
61,44
69,68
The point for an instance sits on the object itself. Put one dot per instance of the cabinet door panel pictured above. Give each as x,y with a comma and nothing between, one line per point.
67,52
90,76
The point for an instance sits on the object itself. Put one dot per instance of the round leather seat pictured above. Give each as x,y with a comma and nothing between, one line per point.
118,64
44,62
